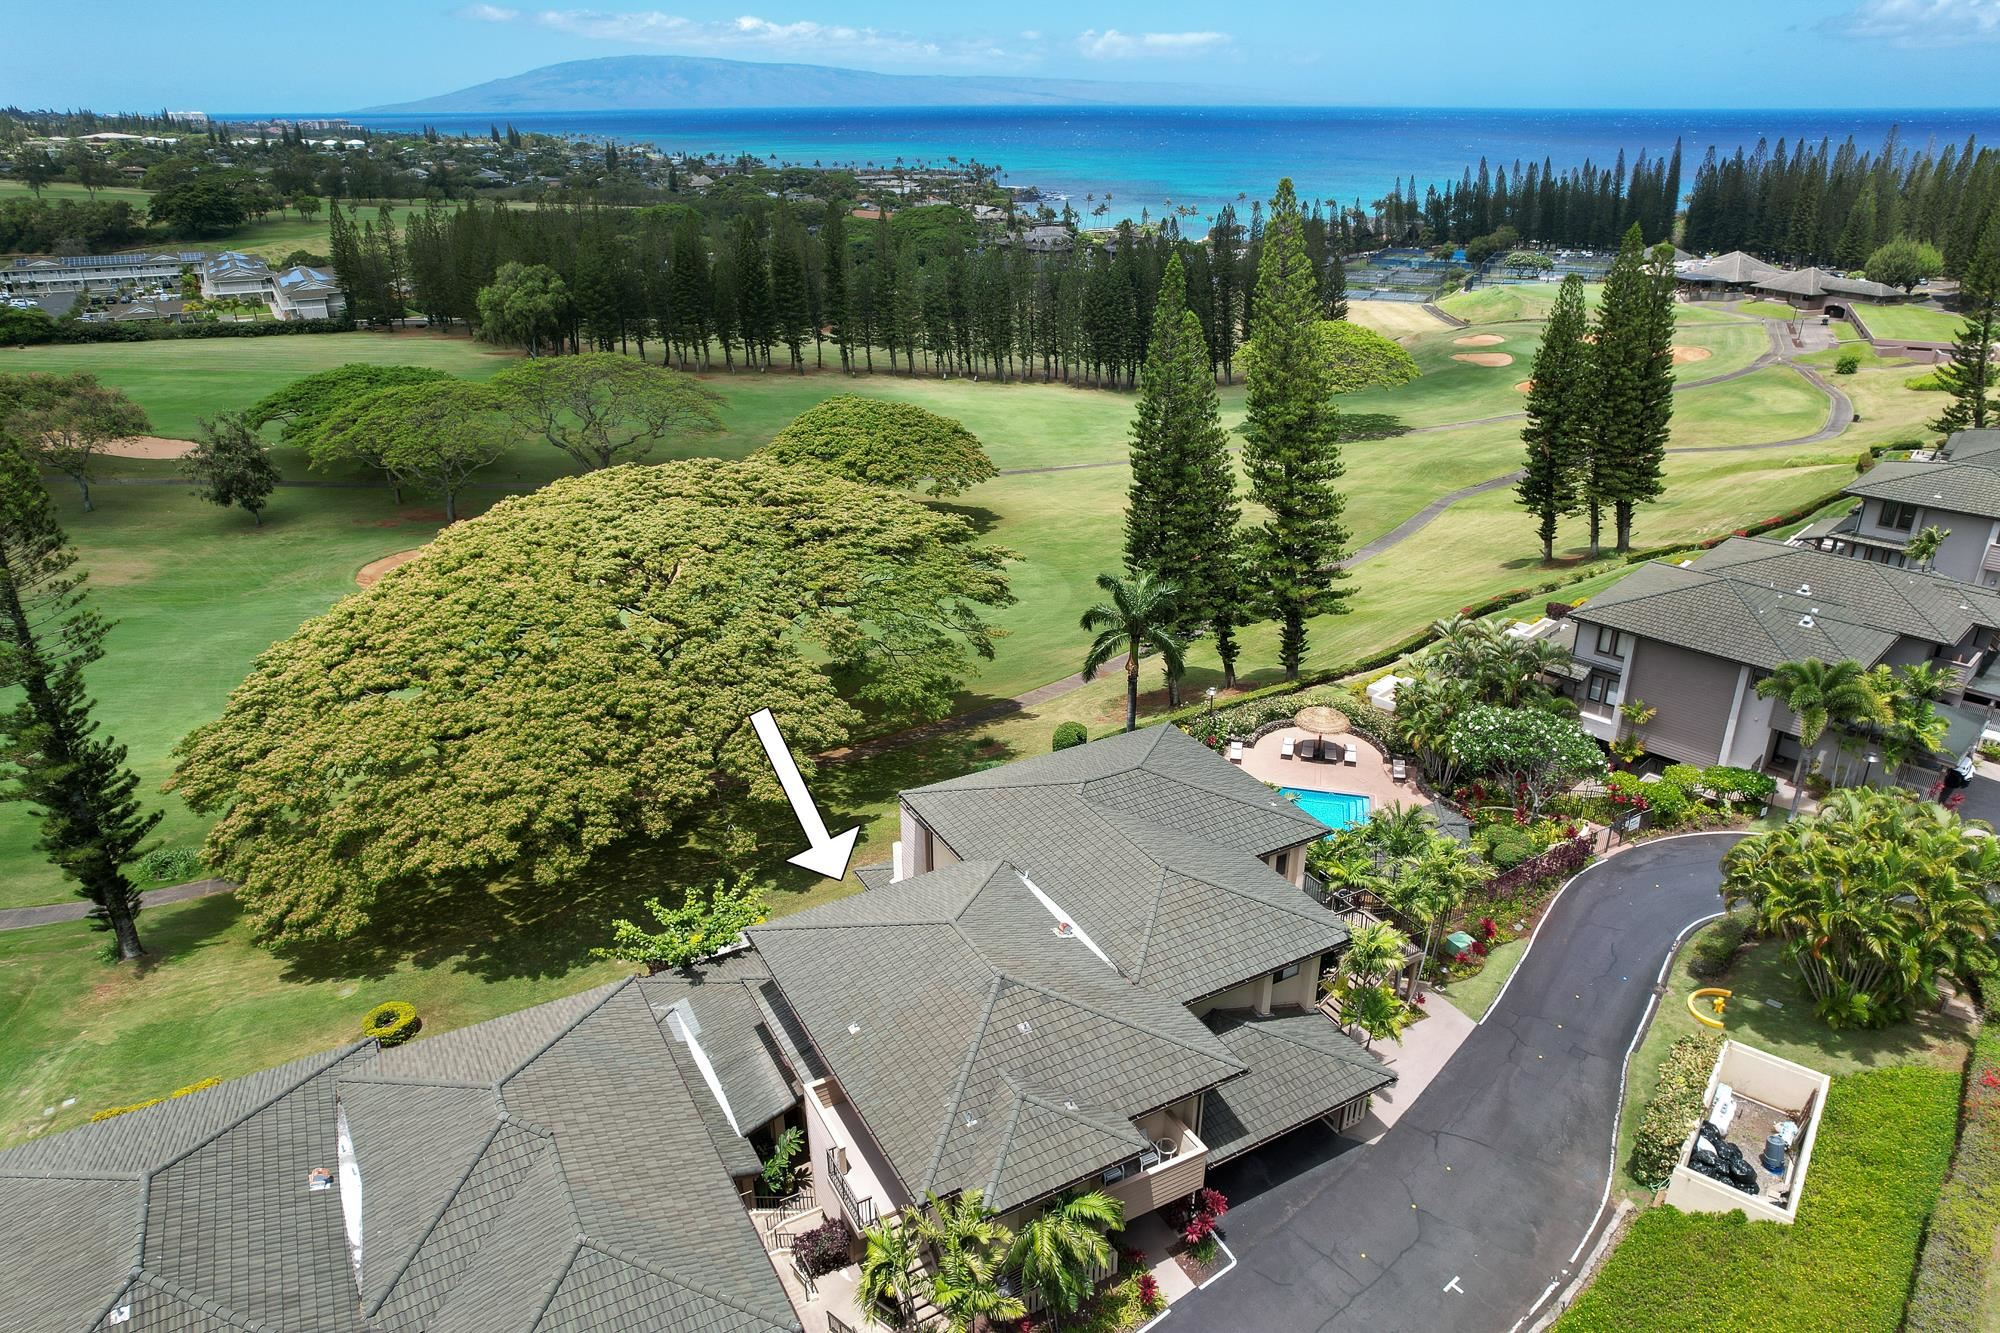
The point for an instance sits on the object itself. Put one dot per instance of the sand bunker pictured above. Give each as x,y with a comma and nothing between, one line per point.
1478,340
149,446
371,573
1484,358
1524,386
1683,355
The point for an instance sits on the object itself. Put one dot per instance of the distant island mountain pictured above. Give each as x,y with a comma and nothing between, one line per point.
646,83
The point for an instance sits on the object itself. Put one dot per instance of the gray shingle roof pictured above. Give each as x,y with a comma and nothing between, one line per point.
1822,282
1301,1067
1954,487
1967,445
1764,603
1115,830
1734,267
984,1048
548,1170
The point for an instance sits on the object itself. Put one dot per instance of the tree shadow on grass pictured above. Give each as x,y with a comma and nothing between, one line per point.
983,520
1371,426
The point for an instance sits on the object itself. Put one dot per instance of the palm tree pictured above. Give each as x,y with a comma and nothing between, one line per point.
1429,887
1818,692
1136,618
1922,548
1374,953
1377,1012
1057,1251
890,1272
970,1243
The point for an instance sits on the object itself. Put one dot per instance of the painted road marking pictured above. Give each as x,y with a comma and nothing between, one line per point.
1453,1286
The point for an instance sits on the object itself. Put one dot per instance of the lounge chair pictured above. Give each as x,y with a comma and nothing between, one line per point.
1397,772
1309,749
1289,748
1353,755
1236,752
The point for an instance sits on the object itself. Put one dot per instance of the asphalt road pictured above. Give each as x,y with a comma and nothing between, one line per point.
1489,1189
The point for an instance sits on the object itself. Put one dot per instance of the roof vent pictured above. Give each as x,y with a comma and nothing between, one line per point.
853,1029
971,1120
1805,622
1068,1105
1065,929
1022,1027
1805,590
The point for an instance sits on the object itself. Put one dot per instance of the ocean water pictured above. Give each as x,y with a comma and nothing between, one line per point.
1157,158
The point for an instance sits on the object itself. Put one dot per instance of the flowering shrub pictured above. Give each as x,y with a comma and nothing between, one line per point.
1196,1220
1149,1291
1487,928
1523,756
825,1248
1565,859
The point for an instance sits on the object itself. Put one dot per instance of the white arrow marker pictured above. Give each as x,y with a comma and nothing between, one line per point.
827,855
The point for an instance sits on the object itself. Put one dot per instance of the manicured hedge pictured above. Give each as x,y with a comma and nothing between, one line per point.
67,331
1675,1108
1845,1264
1714,950
1069,734
1958,1253
197,1086
391,1023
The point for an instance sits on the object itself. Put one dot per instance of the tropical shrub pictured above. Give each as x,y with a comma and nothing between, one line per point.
825,1248
689,930
171,865
1068,735
1560,861
1532,754
1714,949
391,1023
1876,896
1675,1108
1954,1268
1847,363
1744,785
780,1166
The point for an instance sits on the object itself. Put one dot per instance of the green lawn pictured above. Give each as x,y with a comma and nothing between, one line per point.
1915,323
273,238
178,380
1767,309
1882,1150
1787,1029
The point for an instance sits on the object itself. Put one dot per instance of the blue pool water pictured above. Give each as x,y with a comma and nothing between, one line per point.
1335,809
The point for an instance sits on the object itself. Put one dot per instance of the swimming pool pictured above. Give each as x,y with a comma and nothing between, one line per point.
1335,809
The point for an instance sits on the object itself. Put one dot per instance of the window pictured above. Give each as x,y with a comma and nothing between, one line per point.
1283,865
1607,641
1285,973
1898,516
1596,690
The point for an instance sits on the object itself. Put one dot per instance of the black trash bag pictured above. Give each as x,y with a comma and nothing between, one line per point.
1711,1135
1736,1168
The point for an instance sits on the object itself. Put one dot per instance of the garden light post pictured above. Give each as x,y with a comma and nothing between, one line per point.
1211,701
1868,768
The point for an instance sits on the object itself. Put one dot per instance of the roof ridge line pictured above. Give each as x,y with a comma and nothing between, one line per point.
208,1305
624,1256
567,1028
437,1218
1000,979
1007,1139
555,1283
1757,619
1109,1018
1152,922
259,1108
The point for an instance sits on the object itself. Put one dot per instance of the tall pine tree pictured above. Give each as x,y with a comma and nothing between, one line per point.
1561,412
1291,433
1180,524
1968,377
50,752
1634,383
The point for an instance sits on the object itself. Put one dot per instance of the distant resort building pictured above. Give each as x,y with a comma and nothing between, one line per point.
1810,290
299,292
42,275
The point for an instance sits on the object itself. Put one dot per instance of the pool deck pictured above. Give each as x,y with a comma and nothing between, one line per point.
1368,777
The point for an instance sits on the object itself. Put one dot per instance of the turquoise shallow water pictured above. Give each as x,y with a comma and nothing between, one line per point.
1335,809
1131,158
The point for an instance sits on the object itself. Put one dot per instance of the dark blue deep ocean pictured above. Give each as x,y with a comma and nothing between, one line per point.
1147,157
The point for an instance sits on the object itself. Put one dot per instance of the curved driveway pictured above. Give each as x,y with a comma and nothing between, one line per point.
1488,1189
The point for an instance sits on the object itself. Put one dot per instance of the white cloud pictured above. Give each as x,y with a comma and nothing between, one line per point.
1919,23
748,34
1112,44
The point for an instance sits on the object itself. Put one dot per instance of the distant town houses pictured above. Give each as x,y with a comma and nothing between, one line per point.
1955,489
148,284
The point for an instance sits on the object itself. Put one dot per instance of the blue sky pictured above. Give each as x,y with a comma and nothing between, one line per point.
240,55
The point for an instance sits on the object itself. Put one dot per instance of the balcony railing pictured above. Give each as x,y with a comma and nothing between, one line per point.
861,1212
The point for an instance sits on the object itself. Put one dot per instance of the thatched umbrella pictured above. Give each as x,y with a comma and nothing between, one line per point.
1321,720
